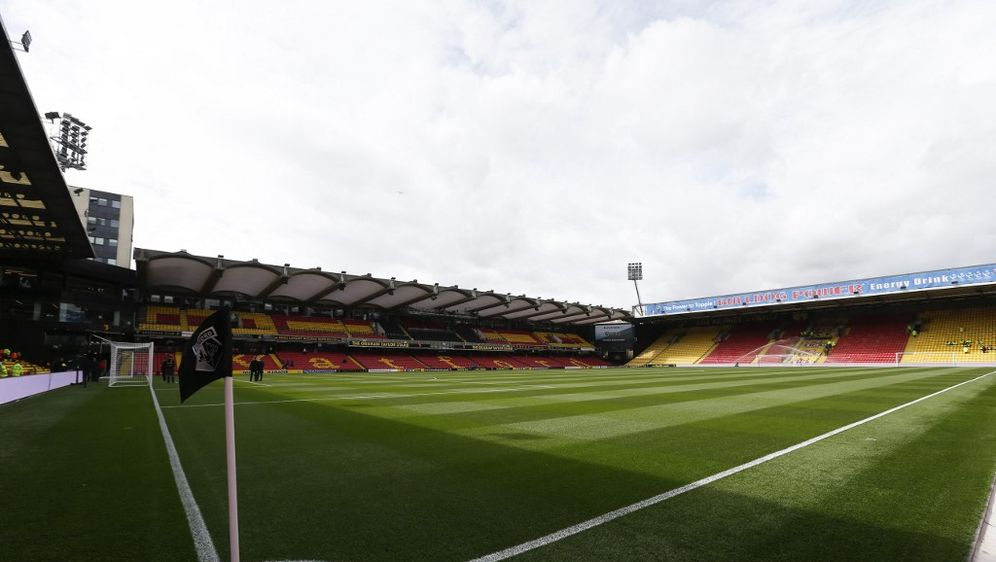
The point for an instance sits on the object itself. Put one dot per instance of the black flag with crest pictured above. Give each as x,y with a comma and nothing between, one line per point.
208,355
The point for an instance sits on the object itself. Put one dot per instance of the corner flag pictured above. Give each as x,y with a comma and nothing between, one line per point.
208,355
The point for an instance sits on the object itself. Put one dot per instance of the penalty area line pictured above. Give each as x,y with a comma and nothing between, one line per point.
198,529
616,514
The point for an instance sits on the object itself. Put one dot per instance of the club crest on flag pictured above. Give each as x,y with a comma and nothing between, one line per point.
207,355
207,349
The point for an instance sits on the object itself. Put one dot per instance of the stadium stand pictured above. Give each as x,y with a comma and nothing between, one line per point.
319,361
240,362
520,338
537,362
428,330
254,324
361,329
467,334
394,330
741,343
875,339
497,362
161,319
587,361
446,361
375,361
309,327
653,350
491,336
192,317
953,336
689,348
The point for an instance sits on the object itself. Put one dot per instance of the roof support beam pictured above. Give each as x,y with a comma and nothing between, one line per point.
333,286
282,280
212,280
501,312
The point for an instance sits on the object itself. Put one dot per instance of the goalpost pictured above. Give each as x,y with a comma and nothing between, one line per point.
131,364
778,355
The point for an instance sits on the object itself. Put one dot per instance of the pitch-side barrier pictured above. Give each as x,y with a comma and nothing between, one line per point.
17,388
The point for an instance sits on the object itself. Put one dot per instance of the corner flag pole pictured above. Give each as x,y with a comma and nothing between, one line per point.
206,358
233,496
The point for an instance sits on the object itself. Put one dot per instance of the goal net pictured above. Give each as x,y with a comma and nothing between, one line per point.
131,364
778,354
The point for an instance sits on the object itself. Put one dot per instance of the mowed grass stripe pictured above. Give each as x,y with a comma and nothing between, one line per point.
910,486
84,476
612,424
561,378
680,450
420,492
537,408
639,390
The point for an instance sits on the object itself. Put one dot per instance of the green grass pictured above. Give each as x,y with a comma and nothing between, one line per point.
452,466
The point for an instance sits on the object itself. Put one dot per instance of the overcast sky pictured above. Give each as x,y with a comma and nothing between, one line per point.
537,147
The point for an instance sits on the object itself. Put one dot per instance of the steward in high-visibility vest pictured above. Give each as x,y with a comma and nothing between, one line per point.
17,369
3,370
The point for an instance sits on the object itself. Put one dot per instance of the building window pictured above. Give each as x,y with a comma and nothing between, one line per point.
91,220
98,241
116,204
93,200
102,202
114,223
91,239
112,261
112,242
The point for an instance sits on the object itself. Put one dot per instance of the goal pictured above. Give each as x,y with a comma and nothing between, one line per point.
778,354
131,364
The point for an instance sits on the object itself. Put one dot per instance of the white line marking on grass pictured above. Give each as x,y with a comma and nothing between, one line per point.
390,396
985,536
252,382
616,514
198,529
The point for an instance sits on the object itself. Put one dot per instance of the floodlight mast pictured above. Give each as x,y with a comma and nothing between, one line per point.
25,42
69,144
635,273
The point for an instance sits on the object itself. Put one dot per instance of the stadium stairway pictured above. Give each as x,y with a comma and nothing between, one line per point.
652,351
691,348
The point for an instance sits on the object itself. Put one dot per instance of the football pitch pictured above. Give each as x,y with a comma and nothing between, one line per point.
529,464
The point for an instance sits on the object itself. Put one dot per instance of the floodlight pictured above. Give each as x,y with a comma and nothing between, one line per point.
634,272
70,143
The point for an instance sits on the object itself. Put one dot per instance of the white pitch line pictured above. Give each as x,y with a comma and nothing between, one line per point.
616,514
198,529
250,382
390,396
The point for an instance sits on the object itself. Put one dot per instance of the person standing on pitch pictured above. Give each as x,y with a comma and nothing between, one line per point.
168,369
259,368
253,365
